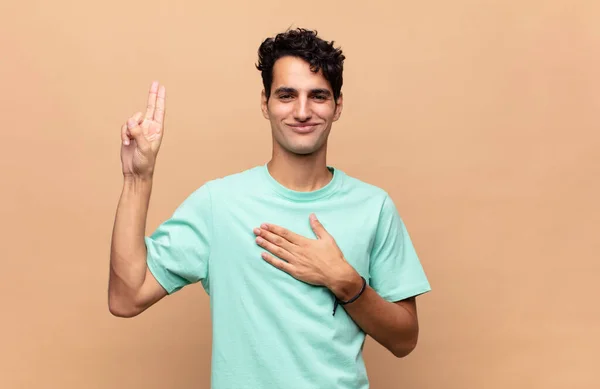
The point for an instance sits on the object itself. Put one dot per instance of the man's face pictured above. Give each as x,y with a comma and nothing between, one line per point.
301,107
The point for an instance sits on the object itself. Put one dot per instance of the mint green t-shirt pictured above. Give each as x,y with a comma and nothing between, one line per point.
269,329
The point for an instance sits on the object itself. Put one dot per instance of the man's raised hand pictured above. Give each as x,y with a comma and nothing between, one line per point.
141,136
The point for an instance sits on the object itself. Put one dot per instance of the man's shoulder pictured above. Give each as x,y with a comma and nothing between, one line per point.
219,189
362,187
241,177
230,183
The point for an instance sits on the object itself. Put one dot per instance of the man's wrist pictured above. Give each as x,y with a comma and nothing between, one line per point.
136,185
131,178
347,284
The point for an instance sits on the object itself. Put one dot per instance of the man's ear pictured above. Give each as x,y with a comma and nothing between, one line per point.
338,108
263,104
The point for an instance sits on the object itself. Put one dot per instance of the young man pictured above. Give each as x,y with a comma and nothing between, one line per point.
300,260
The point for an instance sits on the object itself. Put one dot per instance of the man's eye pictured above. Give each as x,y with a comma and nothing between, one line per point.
320,97
285,96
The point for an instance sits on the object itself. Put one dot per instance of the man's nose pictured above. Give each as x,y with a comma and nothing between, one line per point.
302,110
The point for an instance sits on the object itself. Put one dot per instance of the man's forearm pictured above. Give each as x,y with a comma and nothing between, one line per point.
128,250
392,325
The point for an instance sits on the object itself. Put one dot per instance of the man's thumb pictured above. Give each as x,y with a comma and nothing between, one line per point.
317,227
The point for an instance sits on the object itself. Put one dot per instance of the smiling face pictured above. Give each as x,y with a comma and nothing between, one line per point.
301,107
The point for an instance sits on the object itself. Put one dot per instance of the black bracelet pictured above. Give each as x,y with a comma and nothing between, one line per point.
340,302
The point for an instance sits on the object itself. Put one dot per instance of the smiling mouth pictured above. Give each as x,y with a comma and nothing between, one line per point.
304,127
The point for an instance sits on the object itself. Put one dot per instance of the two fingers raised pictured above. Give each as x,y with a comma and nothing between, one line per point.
155,112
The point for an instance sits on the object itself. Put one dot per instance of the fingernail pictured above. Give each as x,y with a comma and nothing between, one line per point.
131,123
313,216
126,142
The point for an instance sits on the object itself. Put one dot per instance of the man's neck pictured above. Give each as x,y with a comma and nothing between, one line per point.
302,173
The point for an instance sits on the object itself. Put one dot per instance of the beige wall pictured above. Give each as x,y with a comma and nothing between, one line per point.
480,118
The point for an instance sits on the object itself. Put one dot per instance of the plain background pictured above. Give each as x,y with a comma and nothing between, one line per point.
480,118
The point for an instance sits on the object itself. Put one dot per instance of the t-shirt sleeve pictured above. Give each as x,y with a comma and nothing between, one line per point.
179,249
395,269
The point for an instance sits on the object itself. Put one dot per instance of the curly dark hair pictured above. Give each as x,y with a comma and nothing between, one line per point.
305,44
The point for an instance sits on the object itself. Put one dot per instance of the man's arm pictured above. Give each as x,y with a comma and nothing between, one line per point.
132,288
321,262
392,324
387,309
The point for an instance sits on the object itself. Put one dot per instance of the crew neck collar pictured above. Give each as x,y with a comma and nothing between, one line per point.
322,192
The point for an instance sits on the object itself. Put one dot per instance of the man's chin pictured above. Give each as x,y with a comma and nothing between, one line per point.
299,146
302,149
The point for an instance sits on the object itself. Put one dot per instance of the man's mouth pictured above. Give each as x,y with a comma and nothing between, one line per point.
303,128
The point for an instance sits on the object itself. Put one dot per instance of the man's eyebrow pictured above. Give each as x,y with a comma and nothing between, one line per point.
285,89
289,90
321,92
